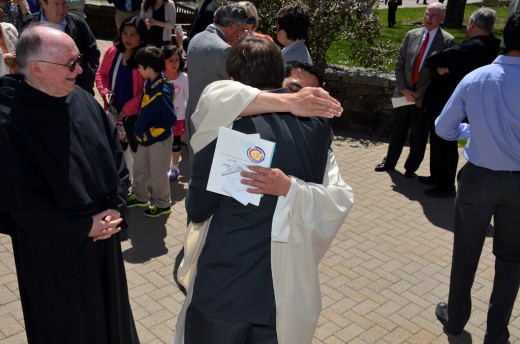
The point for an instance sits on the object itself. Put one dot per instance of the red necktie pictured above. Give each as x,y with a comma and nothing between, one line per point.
418,59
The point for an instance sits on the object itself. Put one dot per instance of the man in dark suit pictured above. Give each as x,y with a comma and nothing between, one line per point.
448,68
55,12
208,51
203,17
232,297
412,80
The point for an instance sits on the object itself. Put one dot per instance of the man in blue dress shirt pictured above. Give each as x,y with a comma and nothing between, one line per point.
489,186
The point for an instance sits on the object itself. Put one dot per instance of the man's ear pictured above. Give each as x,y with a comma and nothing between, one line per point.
34,69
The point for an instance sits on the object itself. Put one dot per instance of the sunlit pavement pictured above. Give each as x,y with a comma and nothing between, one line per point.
381,279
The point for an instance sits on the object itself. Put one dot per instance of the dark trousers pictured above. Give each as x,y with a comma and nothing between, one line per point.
199,328
482,194
408,118
444,157
392,9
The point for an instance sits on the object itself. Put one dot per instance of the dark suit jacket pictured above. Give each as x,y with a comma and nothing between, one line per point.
233,281
203,18
406,58
78,29
460,59
207,56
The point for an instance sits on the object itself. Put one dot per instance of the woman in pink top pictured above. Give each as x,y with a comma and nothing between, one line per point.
118,81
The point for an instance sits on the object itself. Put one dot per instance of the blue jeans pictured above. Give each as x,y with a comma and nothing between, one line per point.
484,194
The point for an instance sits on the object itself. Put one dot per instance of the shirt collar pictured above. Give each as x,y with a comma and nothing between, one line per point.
511,60
62,24
432,32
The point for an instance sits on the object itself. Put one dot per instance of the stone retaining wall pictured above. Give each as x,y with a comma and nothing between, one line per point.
100,18
366,99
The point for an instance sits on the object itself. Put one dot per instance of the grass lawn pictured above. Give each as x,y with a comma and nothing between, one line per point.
407,19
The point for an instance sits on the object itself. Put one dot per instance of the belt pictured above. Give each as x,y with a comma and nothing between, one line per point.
494,171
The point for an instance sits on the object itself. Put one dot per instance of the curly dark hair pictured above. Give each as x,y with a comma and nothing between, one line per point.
295,20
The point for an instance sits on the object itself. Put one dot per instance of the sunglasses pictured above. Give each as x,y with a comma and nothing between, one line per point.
250,21
72,64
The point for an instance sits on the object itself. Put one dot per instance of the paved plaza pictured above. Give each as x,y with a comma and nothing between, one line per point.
387,268
381,279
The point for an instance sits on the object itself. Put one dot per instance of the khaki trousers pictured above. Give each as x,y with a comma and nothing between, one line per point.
151,166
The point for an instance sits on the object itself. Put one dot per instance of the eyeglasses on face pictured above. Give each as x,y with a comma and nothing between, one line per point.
72,64
250,21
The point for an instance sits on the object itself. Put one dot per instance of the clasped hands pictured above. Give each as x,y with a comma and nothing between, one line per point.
105,224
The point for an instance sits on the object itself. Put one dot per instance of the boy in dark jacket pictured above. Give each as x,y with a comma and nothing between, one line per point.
153,132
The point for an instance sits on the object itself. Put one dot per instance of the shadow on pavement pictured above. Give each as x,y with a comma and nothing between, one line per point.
439,211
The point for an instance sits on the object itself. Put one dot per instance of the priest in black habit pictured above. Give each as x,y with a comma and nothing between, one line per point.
63,183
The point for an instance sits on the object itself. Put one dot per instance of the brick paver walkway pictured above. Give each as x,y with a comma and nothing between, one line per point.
387,268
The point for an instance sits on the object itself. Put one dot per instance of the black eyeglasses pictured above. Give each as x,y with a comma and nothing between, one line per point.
250,21
72,64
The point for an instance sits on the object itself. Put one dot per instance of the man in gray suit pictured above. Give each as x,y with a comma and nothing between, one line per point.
208,51
412,80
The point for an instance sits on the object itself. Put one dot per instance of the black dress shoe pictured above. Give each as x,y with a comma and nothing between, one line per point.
425,180
409,174
437,192
441,312
383,167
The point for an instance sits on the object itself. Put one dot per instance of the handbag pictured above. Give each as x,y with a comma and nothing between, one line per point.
113,115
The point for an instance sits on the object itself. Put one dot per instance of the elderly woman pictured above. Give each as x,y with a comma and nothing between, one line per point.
253,19
8,39
292,25
160,18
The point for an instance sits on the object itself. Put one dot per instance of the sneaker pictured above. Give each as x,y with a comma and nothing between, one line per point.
173,174
155,211
134,202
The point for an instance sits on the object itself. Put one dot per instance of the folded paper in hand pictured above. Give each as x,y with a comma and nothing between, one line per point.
400,101
233,153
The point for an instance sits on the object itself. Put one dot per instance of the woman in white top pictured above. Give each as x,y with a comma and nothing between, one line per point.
160,18
8,40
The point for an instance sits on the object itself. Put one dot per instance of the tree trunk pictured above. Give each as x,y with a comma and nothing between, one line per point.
454,14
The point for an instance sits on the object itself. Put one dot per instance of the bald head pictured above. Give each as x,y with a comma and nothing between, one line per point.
434,15
33,40
46,55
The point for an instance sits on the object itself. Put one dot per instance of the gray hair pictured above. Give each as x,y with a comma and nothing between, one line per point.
230,13
29,44
484,18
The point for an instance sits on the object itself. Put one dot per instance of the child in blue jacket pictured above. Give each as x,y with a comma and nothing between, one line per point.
153,131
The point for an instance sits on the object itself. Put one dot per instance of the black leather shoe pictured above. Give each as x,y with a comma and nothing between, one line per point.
441,312
383,167
409,174
437,192
425,180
